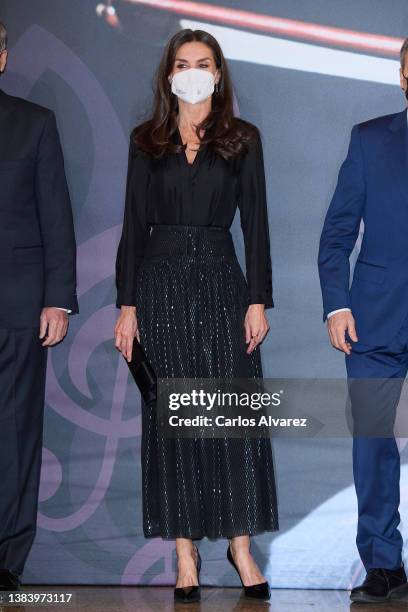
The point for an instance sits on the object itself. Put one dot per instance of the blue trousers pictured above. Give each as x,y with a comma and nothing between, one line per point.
376,460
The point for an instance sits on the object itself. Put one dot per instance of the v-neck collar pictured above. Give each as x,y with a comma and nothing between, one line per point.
396,148
178,139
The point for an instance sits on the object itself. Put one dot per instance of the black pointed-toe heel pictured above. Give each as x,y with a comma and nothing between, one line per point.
191,593
255,591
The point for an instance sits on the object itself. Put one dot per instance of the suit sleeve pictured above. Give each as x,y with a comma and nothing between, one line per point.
56,221
135,229
341,227
254,223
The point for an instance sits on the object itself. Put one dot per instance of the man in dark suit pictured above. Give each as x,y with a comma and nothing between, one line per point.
369,322
38,290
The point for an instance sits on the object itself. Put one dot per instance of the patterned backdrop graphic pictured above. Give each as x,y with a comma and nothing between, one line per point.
304,73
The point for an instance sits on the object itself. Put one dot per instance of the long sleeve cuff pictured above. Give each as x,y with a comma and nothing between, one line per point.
329,314
265,299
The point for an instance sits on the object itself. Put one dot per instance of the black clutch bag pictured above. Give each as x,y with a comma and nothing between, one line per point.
143,373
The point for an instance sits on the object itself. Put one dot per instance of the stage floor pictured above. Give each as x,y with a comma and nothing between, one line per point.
155,599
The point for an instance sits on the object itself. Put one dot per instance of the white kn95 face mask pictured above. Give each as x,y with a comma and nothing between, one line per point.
193,85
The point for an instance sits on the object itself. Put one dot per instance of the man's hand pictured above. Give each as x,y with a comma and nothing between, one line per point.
54,324
256,326
125,331
337,325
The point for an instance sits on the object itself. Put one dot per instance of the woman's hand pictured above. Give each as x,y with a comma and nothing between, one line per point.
125,331
256,326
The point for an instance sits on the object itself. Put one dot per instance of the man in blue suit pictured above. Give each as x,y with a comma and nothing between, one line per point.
369,323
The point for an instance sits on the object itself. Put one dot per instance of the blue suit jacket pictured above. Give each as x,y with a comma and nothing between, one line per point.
372,186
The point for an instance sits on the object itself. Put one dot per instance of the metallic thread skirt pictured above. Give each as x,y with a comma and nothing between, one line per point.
191,302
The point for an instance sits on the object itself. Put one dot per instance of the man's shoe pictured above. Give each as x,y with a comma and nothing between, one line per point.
381,585
9,581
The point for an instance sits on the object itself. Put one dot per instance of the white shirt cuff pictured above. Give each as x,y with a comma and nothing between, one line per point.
338,310
66,309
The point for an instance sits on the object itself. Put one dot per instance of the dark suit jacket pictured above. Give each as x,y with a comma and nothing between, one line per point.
37,241
373,186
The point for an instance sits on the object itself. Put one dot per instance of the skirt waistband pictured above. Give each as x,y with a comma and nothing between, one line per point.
188,228
192,240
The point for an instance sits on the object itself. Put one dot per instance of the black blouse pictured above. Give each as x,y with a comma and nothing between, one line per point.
172,191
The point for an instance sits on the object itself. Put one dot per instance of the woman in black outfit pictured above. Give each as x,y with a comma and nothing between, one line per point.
182,293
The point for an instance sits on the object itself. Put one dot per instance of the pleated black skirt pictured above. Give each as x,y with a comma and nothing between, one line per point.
191,302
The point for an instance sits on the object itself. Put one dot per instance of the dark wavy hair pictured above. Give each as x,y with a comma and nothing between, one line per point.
228,135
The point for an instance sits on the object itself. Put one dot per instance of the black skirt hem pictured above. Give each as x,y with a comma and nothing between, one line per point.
258,531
